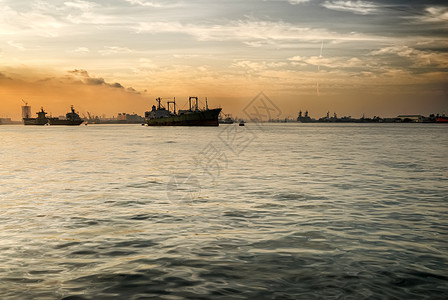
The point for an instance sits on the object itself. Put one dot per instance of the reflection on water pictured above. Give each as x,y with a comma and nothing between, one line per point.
292,211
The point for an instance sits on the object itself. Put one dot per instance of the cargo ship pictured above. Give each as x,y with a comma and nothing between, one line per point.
71,119
161,116
40,120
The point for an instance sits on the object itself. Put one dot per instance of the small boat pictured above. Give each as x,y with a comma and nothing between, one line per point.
241,123
442,119
160,116
227,120
71,119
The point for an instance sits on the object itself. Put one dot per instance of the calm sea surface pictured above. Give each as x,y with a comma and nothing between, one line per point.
279,211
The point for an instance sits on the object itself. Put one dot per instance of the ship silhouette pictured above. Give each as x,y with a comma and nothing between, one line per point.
194,116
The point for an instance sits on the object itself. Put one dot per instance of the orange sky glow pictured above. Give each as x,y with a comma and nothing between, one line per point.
103,57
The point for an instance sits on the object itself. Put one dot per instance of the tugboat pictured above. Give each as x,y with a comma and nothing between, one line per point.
160,116
227,120
71,119
40,120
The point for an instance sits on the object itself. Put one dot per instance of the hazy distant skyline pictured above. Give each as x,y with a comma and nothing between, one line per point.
352,57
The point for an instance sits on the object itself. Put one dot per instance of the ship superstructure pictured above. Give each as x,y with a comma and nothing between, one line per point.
71,119
40,120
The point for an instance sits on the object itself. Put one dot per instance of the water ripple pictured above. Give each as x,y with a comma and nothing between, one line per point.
306,211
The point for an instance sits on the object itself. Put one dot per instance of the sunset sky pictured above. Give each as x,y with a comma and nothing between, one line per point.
108,56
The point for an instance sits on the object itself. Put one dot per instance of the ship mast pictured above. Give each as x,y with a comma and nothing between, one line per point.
174,102
196,105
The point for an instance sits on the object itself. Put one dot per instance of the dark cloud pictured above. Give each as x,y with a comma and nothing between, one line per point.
132,90
391,18
3,76
116,85
85,78
95,81
77,72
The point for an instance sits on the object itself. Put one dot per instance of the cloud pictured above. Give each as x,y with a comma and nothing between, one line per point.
132,90
400,58
4,77
251,31
95,81
17,45
146,63
418,58
84,12
293,2
356,7
41,24
435,14
81,5
185,56
154,4
258,66
115,50
44,19
81,50
328,62
403,51
84,77
116,85
56,92
81,73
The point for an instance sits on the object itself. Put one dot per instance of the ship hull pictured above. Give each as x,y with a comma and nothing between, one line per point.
442,119
34,121
197,118
65,122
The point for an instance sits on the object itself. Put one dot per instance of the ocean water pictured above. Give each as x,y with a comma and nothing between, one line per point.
272,211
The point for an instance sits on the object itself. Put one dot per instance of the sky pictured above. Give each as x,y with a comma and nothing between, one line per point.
108,56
